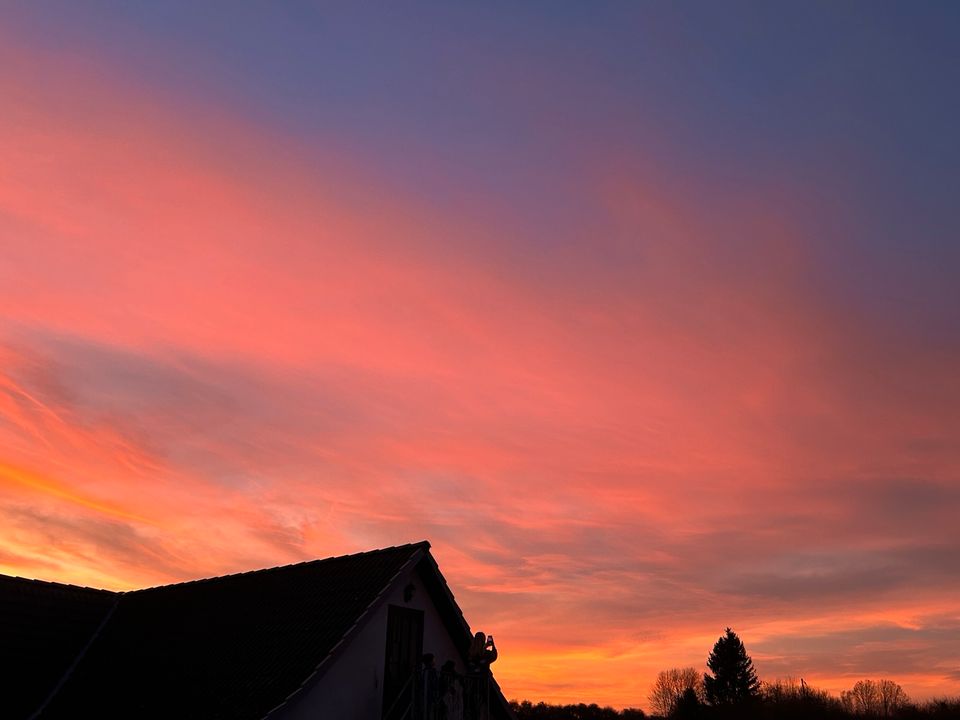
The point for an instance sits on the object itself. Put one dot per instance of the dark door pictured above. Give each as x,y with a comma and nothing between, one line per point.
404,648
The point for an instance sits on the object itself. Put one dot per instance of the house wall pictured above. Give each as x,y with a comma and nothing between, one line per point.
352,689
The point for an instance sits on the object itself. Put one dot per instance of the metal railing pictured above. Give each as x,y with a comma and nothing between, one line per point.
410,705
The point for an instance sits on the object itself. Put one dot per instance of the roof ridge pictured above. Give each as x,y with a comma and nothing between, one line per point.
70,586
315,561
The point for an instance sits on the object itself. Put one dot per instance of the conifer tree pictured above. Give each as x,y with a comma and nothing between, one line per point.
734,681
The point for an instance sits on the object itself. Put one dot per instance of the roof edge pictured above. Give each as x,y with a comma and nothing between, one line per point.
449,597
65,586
315,561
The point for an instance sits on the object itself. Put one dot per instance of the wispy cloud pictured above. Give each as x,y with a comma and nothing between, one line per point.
220,349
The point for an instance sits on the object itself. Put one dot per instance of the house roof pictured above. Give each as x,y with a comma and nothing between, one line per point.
228,647
237,646
44,627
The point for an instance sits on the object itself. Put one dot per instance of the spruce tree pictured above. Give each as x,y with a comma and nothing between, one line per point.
734,681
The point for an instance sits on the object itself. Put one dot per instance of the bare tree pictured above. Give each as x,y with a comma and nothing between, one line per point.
670,686
892,697
861,699
881,698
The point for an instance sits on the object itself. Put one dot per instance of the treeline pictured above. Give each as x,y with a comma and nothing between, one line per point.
773,704
526,710
731,690
795,700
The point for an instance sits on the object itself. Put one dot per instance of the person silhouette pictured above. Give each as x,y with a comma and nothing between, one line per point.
483,653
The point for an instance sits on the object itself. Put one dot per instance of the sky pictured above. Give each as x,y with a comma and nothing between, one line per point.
646,315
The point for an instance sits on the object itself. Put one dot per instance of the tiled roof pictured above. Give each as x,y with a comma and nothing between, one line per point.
44,627
230,647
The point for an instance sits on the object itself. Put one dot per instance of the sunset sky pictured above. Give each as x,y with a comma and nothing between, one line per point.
646,315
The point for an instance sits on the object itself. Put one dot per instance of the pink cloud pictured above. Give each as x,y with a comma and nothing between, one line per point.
220,352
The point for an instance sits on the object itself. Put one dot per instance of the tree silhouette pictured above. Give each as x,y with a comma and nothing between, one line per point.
688,706
526,710
883,698
734,681
670,686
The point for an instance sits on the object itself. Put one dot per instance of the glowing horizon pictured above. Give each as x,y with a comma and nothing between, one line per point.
640,348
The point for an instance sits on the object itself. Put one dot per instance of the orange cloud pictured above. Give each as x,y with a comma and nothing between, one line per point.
47,486
223,351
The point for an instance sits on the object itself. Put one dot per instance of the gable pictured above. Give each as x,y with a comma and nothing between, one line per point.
352,683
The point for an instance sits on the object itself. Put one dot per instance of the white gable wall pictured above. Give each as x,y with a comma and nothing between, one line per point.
352,688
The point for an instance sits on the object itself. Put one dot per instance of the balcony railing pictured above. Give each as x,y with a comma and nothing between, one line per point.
443,697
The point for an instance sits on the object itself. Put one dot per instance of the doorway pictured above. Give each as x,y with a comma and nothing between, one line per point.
403,652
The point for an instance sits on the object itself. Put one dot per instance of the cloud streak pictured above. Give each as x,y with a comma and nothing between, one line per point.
223,348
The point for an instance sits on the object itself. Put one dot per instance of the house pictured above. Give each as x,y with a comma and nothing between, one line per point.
340,639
